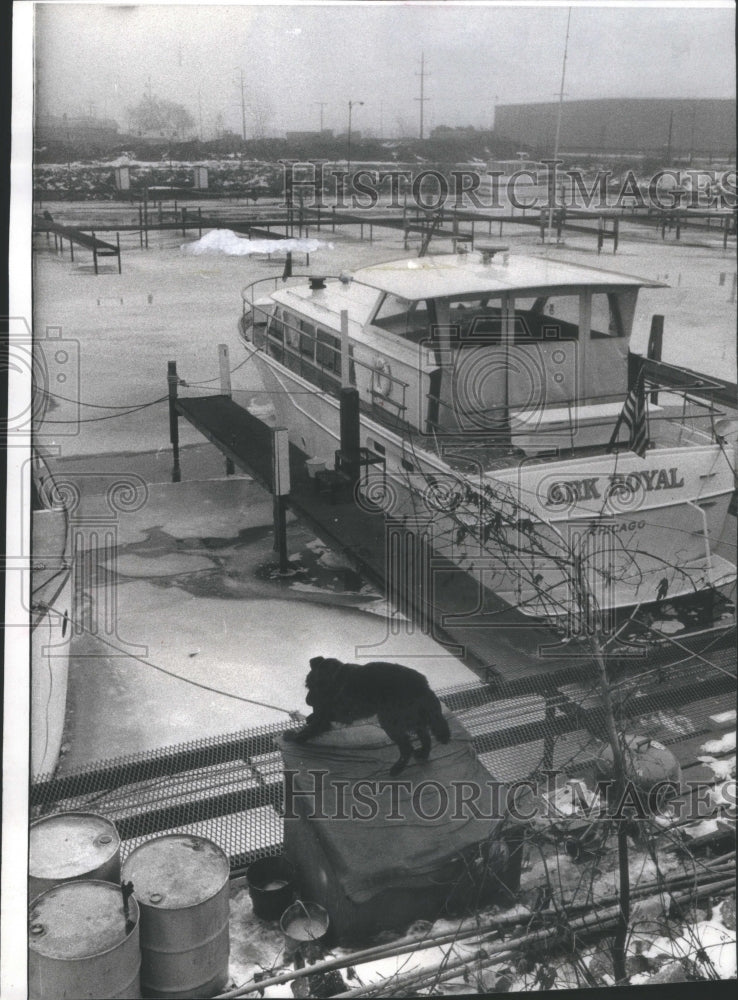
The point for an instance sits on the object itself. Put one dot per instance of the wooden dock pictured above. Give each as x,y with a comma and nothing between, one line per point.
100,248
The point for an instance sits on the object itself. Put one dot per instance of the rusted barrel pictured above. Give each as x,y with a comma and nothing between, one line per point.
69,846
81,944
181,884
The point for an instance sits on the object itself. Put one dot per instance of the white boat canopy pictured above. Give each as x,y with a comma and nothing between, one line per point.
451,275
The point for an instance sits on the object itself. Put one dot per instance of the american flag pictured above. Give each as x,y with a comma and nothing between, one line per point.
634,416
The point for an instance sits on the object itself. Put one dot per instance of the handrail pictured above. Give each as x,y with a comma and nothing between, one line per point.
277,281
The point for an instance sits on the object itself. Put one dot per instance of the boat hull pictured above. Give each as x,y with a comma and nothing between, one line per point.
51,634
641,530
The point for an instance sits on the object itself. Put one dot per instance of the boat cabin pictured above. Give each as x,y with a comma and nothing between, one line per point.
528,348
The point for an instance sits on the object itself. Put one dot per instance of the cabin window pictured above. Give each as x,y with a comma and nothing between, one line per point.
328,352
402,317
260,319
606,319
307,339
559,319
479,318
292,334
276,327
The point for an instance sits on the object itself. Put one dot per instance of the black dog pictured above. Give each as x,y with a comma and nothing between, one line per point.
399,696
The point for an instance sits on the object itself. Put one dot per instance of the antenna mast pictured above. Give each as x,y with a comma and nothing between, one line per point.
552,188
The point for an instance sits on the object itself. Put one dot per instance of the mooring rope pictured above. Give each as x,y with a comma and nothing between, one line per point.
42,606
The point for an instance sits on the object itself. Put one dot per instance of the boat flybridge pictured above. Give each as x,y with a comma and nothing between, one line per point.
499,399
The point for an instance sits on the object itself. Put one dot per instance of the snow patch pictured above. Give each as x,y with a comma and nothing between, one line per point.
725,744
227,242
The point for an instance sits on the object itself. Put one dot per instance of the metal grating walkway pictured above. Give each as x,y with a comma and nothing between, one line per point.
229,788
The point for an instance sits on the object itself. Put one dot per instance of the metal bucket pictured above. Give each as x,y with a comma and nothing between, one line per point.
271,887
181,884
302,923
81,945
70,846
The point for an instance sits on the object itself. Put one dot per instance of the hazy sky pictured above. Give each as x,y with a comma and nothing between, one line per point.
102,57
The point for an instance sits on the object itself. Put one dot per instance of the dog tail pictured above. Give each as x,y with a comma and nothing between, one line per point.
436,720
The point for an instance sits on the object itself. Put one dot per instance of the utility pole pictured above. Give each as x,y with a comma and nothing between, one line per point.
552,189
243,111
422,99
321,105
348,144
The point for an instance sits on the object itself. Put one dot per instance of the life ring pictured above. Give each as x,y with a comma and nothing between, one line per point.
381,379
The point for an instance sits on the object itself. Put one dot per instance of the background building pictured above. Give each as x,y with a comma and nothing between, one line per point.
647,127
98,132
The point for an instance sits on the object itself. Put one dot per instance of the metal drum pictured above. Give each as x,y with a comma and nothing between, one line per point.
181,885
69,846
81,945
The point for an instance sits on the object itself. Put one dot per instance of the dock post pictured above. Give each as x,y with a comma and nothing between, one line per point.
140,227
600,234
117,243
199,220
655,343
280,491
350,432
224,362
71,249
172,382
615,234
94,252
184,220
333,218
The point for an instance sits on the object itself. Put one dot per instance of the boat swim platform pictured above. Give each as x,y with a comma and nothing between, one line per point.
496,641
229,788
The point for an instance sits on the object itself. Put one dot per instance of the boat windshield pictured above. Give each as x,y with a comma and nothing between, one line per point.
555,317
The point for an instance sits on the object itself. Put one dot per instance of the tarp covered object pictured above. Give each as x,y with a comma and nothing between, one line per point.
414,826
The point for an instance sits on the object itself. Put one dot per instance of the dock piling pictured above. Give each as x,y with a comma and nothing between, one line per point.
655,344
224,363
280,491
172,382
